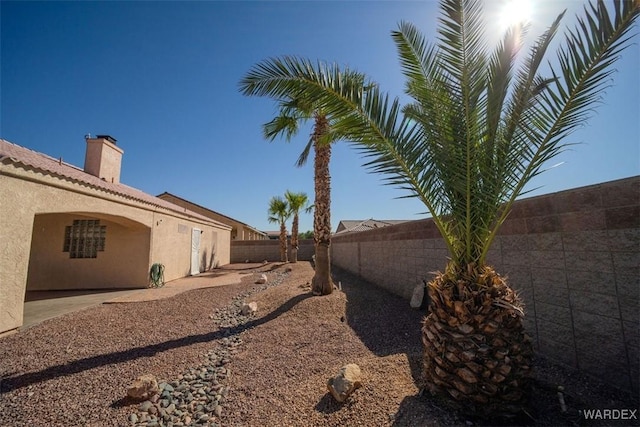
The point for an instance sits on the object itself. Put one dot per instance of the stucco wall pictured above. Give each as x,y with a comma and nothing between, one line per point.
123,264
28,196
574,256
269,250
174,252
239,230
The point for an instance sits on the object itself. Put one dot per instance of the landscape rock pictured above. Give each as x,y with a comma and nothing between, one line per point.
143,387
145,406
262,280
198,395
349,379
417,297
249,308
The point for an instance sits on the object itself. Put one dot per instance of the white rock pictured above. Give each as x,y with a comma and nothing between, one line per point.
250,308
417,297
262,280
346,382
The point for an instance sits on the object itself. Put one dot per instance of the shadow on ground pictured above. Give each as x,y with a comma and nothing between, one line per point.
383,335
251,267
42,295
10,383
328,405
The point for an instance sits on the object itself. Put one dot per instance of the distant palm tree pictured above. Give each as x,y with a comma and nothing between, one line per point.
269,78
279,213
297,201
480,127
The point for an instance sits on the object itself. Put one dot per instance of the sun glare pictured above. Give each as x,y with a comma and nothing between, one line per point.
515,12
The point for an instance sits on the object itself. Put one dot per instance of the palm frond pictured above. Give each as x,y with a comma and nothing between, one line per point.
279,210
462,46
289,77
300,86
417,58
282,125
304,156
392,146
546,110
296,201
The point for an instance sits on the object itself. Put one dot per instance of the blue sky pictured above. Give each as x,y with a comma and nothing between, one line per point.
162,78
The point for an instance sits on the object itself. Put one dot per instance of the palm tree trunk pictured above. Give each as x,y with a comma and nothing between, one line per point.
476,349
283,243
294,239
322,283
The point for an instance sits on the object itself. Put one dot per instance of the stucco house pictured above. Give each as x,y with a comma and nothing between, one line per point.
63,227
239,230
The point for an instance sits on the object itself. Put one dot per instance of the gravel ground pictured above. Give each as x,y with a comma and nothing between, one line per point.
266,369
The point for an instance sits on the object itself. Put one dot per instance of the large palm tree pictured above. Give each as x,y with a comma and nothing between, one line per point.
297,202
279,213
269,78
480,126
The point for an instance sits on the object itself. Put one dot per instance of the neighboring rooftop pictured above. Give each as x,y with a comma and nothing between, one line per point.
347,226
275,234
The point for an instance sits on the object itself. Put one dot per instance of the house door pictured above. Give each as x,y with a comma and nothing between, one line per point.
195,251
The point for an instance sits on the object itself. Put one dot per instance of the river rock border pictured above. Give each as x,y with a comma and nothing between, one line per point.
197,396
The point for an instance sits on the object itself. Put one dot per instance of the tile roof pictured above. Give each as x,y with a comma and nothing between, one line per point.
346,226
11,153
166,193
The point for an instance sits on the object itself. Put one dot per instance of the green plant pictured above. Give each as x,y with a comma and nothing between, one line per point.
279,213
297,105
297,201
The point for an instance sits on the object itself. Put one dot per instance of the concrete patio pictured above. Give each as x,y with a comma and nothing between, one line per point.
43,305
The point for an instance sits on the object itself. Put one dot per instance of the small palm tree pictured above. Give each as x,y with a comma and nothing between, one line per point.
477,131
297,202
279,213
270,78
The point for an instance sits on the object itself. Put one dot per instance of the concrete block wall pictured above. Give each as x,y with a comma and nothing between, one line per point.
574,256
260,250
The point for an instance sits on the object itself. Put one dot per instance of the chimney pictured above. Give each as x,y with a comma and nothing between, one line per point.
103,158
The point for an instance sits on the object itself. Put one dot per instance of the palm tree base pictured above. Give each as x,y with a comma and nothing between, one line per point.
475,347
321,284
